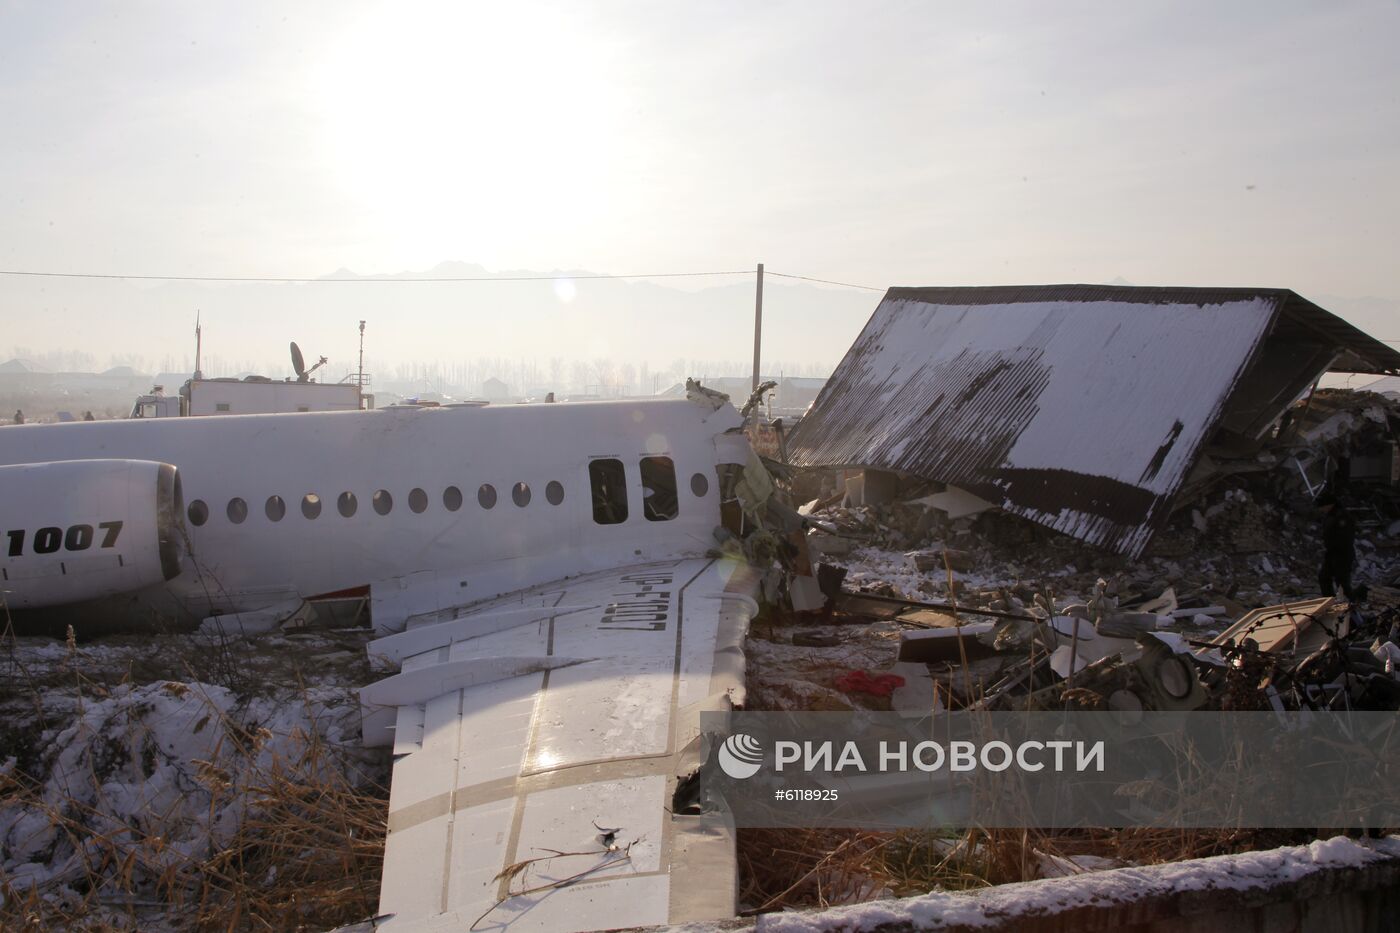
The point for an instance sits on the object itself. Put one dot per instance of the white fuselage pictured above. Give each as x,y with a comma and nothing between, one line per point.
250,483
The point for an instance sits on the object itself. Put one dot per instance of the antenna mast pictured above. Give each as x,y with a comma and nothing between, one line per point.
198,345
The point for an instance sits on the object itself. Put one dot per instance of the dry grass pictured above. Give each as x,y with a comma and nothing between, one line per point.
266,833
789,868
305,854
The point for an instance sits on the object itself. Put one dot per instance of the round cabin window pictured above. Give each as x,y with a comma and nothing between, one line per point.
237,510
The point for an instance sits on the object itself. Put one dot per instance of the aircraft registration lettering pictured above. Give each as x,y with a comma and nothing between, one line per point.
645,607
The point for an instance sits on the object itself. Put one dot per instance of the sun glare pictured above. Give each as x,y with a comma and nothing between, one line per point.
467,129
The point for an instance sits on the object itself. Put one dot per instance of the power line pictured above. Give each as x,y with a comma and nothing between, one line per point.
289,280
808,278
330,281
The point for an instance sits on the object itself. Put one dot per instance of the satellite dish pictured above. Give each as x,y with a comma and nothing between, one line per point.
298,363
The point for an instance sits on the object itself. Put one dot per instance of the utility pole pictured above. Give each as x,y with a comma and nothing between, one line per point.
757,325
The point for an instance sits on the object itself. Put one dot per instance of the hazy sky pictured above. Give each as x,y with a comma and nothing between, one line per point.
896,143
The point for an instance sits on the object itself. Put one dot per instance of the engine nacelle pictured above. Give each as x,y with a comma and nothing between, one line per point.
84,529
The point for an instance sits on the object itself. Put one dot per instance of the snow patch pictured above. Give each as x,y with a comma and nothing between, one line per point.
993,906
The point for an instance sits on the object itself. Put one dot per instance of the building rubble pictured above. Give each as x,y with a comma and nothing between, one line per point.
968,605
936,600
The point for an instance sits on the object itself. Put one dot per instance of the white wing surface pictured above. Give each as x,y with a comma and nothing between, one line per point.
539,739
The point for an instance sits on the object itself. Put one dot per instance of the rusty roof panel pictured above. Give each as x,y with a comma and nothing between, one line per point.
1079,407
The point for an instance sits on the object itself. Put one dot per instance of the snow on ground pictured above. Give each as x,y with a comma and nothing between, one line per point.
993,906
135,758
180,753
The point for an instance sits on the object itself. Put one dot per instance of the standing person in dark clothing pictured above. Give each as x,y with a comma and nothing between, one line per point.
1339,547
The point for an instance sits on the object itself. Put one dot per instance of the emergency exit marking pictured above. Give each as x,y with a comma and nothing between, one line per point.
49,539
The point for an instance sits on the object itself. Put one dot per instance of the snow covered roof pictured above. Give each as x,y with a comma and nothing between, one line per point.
1082,407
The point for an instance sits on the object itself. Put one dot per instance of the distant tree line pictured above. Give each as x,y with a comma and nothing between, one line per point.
458,378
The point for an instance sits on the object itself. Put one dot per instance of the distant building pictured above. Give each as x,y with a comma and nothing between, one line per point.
495,389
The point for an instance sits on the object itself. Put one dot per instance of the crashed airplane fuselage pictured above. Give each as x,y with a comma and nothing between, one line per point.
538,575
423,505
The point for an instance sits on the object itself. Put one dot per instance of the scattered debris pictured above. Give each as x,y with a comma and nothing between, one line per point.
1220,612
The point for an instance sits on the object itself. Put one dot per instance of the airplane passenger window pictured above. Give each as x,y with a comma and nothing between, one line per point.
199,513
417,500
452,498
311,505
554,492
347,504
700,485
520,493
486,496
608,484
275,508
237,510
659,500
382,501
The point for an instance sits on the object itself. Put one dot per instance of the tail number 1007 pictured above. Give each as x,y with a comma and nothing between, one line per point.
76,538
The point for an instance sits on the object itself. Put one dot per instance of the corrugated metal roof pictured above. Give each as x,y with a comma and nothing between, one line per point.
1072,405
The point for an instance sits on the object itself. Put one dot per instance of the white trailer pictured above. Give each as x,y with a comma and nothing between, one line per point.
249,396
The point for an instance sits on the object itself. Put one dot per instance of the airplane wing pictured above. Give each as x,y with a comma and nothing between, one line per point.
538,742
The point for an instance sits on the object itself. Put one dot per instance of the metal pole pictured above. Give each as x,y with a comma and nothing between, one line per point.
757,325
361,376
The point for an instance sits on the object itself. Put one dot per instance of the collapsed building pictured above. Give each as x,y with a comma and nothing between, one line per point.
1094,410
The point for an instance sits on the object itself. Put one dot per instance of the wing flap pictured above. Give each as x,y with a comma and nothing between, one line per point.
408,729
